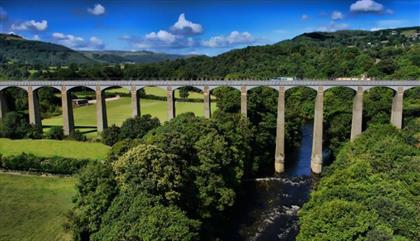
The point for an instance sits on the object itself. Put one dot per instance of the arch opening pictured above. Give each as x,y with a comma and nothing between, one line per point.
377,106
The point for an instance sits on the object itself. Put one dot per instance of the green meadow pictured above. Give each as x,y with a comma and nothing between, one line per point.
119,110
34,207
47,148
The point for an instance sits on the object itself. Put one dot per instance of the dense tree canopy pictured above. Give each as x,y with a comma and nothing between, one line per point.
370,192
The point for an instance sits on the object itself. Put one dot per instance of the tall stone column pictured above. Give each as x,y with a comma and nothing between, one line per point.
101,117
397,108
170,102
244,106
3,105
357,116
207,102
135,105
67,109
316,159
279,156
33,105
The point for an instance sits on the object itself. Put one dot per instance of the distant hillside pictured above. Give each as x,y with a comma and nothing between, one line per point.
390,53
383,54
131,56
14,48
363,39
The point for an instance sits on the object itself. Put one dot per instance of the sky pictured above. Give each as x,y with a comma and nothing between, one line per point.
194,26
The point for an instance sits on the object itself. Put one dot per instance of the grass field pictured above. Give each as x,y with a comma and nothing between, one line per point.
33,207
72,149
119,110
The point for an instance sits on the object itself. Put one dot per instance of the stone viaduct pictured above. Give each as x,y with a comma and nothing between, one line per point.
243,86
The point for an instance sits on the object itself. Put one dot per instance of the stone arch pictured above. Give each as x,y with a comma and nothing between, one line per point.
34,88
377,105
14,98
217,91
268,86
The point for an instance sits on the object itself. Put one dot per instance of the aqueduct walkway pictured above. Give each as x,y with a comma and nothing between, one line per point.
206,86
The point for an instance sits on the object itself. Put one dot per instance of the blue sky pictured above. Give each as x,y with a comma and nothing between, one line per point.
194,26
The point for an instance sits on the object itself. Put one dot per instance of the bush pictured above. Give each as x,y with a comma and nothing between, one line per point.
56,133
14,125
54,165
138,127
77,136
110,135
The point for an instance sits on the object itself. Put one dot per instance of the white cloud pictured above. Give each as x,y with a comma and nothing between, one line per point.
3,14
304,17
337,15
98,9
333,27
366,6
31,25
162,35
184,26
96,43
389,11
234,38
36,37
76,42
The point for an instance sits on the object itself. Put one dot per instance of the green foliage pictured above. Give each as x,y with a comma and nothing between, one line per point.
370,192
54,164
77,136
55,132
110,135
138,127
121,147
14,125
147,168
96,189
138,216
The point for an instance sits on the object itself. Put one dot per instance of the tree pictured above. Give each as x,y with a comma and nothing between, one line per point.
148,168
139,216
14,125
138,127
110,135
96,188
184,92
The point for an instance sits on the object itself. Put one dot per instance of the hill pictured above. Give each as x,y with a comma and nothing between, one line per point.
382,54
14,48
115,57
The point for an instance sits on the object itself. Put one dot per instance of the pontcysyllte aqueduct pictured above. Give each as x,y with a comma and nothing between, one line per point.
359,86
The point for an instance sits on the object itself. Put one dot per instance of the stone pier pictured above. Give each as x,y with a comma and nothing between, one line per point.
101,117
33,105
67,109
207,102
357,116
3,105
135,102
170,99
279,156
397,108
316,158
244,106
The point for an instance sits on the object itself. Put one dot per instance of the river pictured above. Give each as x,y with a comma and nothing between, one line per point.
268,209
